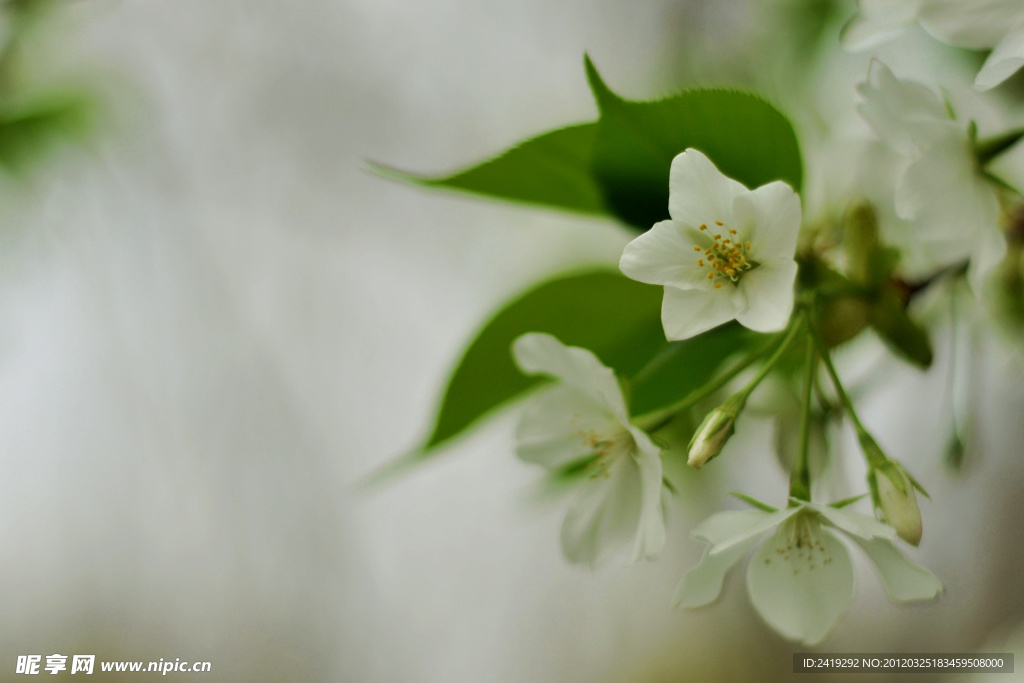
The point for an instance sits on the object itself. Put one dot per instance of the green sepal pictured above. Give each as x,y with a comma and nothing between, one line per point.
840,504
888,317
750,500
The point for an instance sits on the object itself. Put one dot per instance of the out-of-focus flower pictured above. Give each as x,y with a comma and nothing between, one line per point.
726,253
801,579
585,421
977,25
951,209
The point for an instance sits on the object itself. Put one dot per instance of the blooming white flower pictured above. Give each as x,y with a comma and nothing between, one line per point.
727,252
977,25
951,209
801,579
585,418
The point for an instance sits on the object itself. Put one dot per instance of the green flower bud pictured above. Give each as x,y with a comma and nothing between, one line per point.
898,501
709,439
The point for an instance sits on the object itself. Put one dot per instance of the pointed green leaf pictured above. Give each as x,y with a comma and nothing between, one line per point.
747,138
552,169
615,317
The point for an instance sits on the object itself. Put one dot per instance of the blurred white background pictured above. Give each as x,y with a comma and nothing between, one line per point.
215,321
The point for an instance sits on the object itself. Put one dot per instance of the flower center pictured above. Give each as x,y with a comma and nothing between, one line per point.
798,543
728,257
608,450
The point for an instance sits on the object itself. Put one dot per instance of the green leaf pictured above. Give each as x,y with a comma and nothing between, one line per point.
747,138
552,169
28,130
615,317
889,318
683,367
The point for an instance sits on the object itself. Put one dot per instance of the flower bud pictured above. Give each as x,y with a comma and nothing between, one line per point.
898,502
711,436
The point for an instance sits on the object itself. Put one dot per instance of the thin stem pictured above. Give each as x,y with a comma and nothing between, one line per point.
800,478
871,450
659,418
655,420
836,382
795,324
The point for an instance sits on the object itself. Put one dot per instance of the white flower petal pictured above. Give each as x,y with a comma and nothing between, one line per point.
889,11
650,534
907,116
722,526
769,218
604,517
801,594
703,583
688,312
575,367
953,209
558,427
989,252
727,532
768,291
976,24
862,34
698,192
855,523
903,580
664,255
1004,60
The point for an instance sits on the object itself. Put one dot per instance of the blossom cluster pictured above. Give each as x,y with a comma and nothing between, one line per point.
777,275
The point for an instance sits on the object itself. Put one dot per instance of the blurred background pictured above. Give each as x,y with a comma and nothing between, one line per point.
214,322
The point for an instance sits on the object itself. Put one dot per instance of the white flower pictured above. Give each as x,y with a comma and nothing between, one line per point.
975,24
952,210
727,252
586,418
801,579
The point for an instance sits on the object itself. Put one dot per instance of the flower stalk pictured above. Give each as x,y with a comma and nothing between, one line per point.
713,433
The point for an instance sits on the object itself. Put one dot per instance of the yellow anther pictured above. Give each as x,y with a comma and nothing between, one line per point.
696,248
730,271
747,245
731,231
719,223
718,285
711,276
718,237
700,262
703,226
